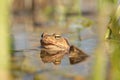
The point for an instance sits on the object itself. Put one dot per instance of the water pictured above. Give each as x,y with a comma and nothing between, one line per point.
31,65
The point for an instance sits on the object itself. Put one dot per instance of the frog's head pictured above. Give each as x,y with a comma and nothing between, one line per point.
54,41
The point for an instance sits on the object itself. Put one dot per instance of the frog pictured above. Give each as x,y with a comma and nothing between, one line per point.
54,47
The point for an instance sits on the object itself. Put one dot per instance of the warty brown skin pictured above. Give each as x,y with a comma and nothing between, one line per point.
54,43
54,47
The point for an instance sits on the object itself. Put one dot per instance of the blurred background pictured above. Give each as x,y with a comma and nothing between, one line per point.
91,25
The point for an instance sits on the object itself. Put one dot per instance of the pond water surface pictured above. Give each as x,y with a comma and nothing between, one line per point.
28,65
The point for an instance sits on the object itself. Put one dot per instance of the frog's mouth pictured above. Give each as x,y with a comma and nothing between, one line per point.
52,46
48,45
43,43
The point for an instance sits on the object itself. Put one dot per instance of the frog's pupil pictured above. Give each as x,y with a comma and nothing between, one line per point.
57,36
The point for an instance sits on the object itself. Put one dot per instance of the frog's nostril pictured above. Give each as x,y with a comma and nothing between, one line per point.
43,34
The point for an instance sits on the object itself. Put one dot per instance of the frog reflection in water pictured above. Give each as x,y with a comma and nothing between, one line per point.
54,47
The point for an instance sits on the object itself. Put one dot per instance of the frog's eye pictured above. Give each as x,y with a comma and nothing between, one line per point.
57,36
